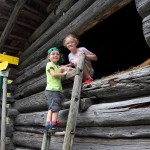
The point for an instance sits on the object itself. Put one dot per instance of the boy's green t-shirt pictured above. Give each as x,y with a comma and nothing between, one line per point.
53,83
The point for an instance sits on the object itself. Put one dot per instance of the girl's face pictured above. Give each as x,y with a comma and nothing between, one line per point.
54,56
71,44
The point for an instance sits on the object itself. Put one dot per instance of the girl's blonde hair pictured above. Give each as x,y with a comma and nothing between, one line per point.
73,37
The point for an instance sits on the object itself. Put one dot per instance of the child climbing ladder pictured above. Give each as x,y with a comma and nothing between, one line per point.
73,111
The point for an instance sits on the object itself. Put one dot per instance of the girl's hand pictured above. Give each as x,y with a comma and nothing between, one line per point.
81,53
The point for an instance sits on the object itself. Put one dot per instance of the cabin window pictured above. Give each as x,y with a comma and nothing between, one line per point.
118,42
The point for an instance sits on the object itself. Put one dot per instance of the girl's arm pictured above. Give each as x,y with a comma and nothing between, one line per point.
92,57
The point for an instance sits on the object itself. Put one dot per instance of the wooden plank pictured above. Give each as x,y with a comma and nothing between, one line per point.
74,106
11,22
100,10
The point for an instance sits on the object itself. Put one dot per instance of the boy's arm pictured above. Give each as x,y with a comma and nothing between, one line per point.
54,74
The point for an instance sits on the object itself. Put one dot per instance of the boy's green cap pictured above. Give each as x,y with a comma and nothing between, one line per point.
55,49
52,49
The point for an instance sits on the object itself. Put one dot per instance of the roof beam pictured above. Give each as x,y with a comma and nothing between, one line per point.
19,5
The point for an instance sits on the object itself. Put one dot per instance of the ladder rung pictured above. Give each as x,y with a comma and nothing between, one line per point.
60,133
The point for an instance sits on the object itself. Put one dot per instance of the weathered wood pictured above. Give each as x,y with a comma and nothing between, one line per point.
132,112
36,70
124,85
46,141
34,141
12,112
146,29
3,119
19,5
100,10
100,132
143,7
31,72
132,83
53,5
27,69
74,106
12,73
50,20
36,85
72,13
37,102
9,130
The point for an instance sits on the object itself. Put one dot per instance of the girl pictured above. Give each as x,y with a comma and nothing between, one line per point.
71,43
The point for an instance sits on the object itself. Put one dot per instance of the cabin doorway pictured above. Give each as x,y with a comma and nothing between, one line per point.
118,42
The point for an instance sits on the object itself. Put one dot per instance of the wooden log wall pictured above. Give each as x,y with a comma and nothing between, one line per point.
144,10
123,110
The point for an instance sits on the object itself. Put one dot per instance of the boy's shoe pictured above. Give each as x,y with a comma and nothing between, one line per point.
88,81
58,123
52,129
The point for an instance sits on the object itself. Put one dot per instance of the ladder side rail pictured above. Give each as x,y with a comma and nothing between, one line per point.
3,121
74,106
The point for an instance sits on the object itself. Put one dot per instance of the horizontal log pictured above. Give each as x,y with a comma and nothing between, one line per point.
31,72
99,132
123,113
11,112
36,85
31,103
143,7
35,71
32,140
132,83
58,25
9,144
100,10
9,130
51,19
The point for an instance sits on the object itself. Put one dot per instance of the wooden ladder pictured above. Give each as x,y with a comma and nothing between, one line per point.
73,111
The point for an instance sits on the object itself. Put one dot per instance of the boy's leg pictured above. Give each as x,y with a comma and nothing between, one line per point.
49,116
54,116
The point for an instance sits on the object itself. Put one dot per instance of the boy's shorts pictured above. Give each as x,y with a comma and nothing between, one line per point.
54,100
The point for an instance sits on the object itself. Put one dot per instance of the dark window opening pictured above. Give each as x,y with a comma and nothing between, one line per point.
118,42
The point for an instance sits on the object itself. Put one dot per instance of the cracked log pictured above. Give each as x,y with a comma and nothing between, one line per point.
128,84
33,140
125,113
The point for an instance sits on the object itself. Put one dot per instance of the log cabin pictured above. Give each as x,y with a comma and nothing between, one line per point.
114,109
